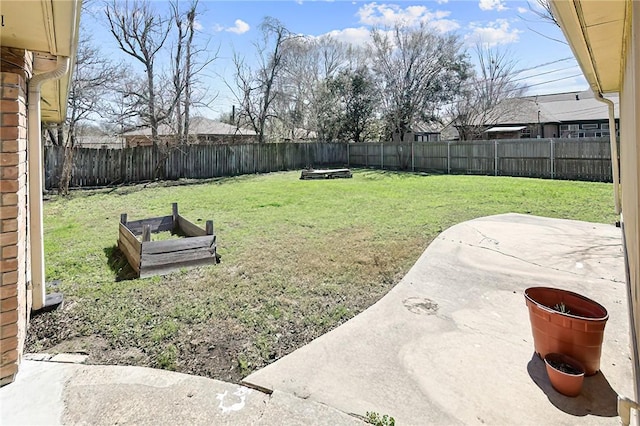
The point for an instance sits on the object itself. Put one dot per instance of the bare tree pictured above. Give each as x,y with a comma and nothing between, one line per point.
482,101
189,61
141,33
418,70
89,91
544,14
308,92
256,89
543,11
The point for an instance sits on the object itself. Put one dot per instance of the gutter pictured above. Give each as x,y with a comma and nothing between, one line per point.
614,150
34,153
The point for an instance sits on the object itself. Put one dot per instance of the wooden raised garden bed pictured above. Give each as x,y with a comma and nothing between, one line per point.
147,258
325,174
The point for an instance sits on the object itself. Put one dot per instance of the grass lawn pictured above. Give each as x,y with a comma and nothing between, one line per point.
298,259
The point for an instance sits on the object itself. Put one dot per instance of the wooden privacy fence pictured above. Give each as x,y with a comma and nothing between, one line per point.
103,167
574,159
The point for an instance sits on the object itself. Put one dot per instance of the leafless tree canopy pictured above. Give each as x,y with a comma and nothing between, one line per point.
89,93
141,33
481,98
544,11
255,88
418,70
189,61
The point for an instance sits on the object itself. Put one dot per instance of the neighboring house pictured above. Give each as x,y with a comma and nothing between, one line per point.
605,39
201,131
420,132
423,132
38,45
95,142
100,141
562,115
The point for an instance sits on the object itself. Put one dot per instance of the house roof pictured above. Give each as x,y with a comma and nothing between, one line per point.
422,127
595,32
554,108
197,126
49,28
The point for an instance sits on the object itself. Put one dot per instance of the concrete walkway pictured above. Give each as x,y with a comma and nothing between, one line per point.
54,393
450,344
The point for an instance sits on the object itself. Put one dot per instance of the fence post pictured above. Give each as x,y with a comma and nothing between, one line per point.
495,158
448,157
413,163
348,154
552,159
381,155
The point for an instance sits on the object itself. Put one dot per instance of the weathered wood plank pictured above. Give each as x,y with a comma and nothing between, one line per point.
130,246
149,271
156,224
189,228
173,258
173,246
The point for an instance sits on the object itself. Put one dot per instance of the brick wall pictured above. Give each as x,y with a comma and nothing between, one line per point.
15,300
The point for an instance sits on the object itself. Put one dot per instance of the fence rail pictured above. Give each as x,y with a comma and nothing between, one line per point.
576,159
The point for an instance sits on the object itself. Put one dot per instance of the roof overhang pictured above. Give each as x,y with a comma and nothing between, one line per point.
595,31
505,129
48,28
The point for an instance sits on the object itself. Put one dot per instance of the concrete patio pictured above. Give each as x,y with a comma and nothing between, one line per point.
450,344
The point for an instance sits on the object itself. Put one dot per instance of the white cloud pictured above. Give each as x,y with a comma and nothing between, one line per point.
493,34
492,5
356,36
390,14
522,10
240,27
197,25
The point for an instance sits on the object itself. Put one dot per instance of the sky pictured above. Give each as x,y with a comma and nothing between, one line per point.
546,64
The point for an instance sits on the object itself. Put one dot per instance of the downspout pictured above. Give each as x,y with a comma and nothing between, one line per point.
614,150
36,234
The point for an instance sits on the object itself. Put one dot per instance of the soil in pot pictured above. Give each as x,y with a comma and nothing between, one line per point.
565,373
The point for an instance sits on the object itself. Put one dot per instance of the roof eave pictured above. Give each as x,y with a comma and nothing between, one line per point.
48,28
583,36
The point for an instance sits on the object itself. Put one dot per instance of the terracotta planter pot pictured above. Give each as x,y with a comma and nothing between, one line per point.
577,333
565,373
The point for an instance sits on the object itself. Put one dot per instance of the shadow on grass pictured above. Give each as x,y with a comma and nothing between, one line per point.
597,397
119,264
